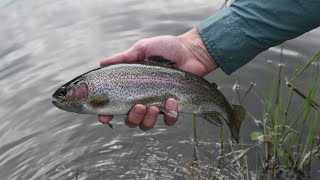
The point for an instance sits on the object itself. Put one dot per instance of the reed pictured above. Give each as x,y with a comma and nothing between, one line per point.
288,139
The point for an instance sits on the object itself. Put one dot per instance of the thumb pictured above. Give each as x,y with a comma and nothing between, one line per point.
133,54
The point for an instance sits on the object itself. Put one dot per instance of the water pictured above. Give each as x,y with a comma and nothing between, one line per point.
45,43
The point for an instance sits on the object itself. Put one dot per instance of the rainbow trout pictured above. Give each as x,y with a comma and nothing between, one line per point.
113,90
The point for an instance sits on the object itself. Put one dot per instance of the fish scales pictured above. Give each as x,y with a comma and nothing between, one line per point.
128,85
115,89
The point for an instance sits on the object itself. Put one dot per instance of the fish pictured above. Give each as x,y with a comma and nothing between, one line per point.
115,89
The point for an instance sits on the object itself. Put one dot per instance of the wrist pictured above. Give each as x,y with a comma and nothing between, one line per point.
193,42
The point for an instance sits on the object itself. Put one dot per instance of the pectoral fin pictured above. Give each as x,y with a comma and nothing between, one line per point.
99,101
212,117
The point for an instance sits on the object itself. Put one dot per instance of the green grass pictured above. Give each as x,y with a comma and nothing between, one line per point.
288,139
289,148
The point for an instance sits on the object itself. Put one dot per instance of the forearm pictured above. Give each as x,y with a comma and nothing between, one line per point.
235,35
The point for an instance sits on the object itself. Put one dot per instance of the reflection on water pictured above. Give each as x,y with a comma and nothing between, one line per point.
45,43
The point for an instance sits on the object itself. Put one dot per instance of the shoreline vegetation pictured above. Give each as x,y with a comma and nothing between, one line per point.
287,146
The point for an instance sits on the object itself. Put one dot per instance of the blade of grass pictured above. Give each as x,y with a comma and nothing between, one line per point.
312,130
195,142
290,95
310,143
305,116
314,59
77,174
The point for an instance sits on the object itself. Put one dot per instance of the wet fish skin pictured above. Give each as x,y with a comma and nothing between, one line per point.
117,88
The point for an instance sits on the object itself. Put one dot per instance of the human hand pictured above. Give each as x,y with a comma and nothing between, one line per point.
189,54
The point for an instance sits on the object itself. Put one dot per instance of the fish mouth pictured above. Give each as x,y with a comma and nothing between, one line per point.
55,102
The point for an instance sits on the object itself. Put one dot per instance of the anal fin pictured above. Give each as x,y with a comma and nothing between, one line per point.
212,117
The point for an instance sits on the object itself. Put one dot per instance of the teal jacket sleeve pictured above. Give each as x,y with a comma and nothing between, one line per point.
236,34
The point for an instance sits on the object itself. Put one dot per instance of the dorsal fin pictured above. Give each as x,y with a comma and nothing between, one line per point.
159,60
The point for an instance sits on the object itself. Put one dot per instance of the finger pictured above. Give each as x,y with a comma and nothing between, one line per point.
150,118
128,124
136,115
171,104
105,119
121,57
135,53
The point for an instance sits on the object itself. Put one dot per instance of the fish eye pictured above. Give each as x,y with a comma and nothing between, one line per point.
62,91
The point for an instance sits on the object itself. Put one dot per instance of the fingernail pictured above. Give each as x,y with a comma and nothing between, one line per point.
139,111
171,104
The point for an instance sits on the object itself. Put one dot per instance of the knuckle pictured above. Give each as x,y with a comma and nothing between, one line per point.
134,121
139,43
151,116
139,111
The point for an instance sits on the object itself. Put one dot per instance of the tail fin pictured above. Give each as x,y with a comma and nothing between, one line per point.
237,116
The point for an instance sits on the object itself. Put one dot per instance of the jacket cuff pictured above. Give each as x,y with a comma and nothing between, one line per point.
224,37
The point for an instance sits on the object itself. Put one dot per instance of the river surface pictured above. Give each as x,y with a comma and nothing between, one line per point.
45,43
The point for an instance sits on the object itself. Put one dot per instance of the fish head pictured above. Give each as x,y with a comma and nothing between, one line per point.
71,96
